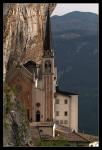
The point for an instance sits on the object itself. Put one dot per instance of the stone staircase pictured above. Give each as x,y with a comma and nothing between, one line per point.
35,134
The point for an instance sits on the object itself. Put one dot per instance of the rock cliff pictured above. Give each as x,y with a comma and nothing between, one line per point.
23,32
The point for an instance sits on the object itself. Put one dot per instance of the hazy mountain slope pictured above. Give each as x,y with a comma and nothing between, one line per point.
75,40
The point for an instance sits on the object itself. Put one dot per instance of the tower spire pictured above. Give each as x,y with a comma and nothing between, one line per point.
47,39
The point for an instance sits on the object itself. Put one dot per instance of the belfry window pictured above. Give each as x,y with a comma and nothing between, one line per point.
47,66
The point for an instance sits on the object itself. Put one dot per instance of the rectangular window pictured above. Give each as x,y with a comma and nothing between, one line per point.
65,113
57,121
65,121
65,101
57,113
57,101
61,121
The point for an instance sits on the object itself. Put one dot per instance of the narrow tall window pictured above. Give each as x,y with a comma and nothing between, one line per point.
57,121
65,101
28,114
65,121
57,101
57,113
65,113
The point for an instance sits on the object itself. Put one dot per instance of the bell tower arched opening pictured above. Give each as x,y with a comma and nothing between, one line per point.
47,66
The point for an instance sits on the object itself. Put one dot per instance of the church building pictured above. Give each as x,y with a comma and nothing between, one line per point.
36,86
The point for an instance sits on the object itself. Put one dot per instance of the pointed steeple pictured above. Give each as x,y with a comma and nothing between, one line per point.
47,39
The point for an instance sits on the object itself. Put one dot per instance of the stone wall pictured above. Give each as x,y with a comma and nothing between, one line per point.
23,87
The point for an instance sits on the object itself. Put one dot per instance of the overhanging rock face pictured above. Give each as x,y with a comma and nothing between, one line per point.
23,32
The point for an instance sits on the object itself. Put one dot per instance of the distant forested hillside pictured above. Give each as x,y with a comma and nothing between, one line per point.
75,41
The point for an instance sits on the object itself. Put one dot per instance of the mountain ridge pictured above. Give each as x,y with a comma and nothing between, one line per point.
75,41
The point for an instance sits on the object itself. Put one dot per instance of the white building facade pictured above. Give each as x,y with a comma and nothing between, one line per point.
66,109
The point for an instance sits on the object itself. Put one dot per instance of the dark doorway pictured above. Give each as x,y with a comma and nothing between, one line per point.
38,116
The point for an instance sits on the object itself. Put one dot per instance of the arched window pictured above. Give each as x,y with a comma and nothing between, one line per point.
47,66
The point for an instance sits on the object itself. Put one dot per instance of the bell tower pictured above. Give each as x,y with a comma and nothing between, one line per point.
48,72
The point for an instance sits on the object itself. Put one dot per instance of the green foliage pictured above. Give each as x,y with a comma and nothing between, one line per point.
18,129
54,143
8,104
8,99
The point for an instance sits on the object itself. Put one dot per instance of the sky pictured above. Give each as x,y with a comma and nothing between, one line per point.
64,8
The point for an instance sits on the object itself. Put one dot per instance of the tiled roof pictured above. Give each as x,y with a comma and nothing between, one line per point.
65,92
91,138
73,136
